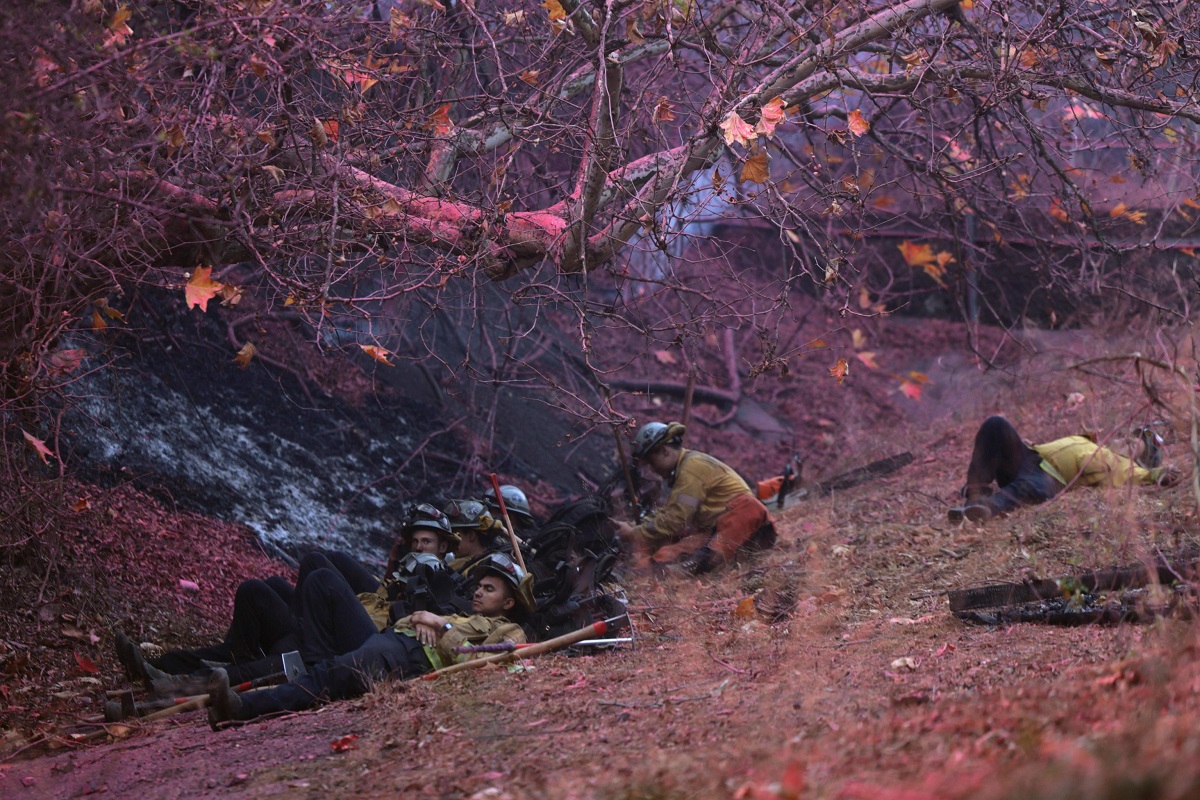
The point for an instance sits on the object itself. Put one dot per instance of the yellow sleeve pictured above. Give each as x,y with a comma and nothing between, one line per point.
476,629
682,503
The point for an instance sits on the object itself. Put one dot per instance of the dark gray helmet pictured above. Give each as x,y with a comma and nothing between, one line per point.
514,500
655,434
510,572
472,515
428,517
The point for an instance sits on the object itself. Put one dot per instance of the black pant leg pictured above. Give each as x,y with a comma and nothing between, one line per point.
358,576
998,456
349,675
333,620
261,618
282,587
1031,486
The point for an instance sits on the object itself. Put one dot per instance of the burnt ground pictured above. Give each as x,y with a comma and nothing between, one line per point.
830,667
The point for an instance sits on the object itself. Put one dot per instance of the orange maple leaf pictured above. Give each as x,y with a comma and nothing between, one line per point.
772,115
757,168
201,288
662,112
1058,212
440,122
39,447
380,354
916,255
910,389
857,123
840,370
736,129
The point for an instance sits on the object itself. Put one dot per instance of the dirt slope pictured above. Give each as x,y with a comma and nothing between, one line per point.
845,677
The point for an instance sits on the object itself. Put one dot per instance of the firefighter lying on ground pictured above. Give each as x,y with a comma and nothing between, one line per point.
266,614
1031,474
709,515
358,654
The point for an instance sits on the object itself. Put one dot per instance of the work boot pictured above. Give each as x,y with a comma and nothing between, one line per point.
131,658
224,704
697,562
975,512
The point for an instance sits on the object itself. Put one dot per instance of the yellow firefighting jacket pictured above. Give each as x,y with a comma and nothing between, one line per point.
1079,459
475,629
701,488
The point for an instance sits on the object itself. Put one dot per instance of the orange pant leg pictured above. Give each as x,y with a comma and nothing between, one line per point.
744,516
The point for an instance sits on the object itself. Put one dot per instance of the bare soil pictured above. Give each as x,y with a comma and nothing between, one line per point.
828,668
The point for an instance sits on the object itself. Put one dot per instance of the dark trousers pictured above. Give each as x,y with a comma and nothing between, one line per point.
263,624
352,652
357,576
1000,456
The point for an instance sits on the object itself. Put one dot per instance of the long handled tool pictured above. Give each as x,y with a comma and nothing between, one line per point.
512,534
593,631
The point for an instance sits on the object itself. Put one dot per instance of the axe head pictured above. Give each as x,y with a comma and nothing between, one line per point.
293,665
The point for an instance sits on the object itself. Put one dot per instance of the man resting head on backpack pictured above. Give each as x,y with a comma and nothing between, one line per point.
415,645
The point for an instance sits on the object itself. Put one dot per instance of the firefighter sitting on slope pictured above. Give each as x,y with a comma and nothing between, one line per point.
710,513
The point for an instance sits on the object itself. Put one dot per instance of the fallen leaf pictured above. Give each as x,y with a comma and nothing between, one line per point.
380,354
201,288
910,389
39,447
82,504
86,664
1118,210
745,608
344,743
